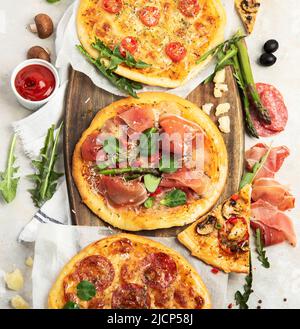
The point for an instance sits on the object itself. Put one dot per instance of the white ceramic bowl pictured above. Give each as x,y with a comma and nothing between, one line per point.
33,105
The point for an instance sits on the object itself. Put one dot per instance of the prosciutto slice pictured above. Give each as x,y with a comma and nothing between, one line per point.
276,226
273,163
269,190
120,193
194,179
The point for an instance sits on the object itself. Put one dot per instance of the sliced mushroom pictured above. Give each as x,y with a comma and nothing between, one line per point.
42,25
39,52
250,6
207,226
228,209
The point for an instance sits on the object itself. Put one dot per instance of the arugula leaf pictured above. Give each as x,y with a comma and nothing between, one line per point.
111,145
149,202
125,85
9,183
46,177
148,142
71,306
242,298
116,58
151,182
260,249
168,165
174,198
86,290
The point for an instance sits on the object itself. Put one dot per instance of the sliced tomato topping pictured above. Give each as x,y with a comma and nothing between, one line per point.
189,8
90,147
129,44
149,16
176,51
112,6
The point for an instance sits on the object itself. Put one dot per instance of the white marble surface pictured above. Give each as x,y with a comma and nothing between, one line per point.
278,19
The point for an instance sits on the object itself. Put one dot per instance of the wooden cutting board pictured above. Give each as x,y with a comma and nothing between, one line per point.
84,100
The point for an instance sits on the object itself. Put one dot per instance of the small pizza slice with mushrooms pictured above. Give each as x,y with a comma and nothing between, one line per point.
221,238
248,10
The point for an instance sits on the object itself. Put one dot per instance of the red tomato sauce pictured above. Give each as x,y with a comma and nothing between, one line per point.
35,82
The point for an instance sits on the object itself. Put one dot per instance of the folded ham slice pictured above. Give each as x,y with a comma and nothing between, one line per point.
269,190
120,193
275,225
273,163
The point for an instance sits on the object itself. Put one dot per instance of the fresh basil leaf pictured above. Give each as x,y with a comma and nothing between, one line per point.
71,306
168,164
174,198
151,182
111,145
260,249
149,202
86,290
8,181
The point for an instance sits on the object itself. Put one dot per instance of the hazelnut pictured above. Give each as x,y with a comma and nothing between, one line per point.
42,25
38,52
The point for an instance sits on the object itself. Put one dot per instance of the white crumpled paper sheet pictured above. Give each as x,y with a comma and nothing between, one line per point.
67,53
57,244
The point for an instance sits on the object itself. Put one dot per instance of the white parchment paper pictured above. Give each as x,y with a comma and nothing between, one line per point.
57,244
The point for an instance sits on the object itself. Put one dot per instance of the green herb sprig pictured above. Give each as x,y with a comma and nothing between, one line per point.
260,249
46,177
174,198
8,181
241,299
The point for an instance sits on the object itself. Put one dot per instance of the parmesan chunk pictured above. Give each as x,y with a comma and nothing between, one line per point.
220,76
14,280
221,86
29,261
222,109
19,303
217,92
224,124
206,108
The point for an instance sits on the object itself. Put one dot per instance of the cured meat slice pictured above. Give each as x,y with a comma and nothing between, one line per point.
159,270
97,270
273,192
273,101
130,296
273,163
121,193
90,147
270,235
269,217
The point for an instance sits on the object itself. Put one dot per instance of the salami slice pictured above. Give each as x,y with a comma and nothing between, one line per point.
272,99
130,296
159,270
97,270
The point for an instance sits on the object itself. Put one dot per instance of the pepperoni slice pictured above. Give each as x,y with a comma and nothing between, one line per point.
96,303
159,270
129,44
112,6
176,51
272,99
130,296
189,8
149,16
90,147
97,270
122,246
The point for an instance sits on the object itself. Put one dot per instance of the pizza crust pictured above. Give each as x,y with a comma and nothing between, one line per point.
207,249
248,12
130,220
154,79
56,294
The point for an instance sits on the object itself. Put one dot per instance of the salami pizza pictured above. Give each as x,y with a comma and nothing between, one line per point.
170,36
221,238
131,272
148,163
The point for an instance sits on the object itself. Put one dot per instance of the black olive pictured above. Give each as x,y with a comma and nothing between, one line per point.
271,46
267,59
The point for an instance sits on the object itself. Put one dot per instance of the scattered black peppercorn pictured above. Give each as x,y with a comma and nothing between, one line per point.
260,301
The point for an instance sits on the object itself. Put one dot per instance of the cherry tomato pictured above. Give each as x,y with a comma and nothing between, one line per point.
189,8
149,16
112,6
90,147
129,44
176,51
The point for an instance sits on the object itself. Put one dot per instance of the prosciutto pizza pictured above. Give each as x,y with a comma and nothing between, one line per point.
148,163
221,238
131,272
170,36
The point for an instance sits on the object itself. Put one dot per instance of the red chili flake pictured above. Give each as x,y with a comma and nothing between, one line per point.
214,270
235,197
230,306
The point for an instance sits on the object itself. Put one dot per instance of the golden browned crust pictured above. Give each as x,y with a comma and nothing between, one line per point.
248,17
206,247
56,294
175,74
164,217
